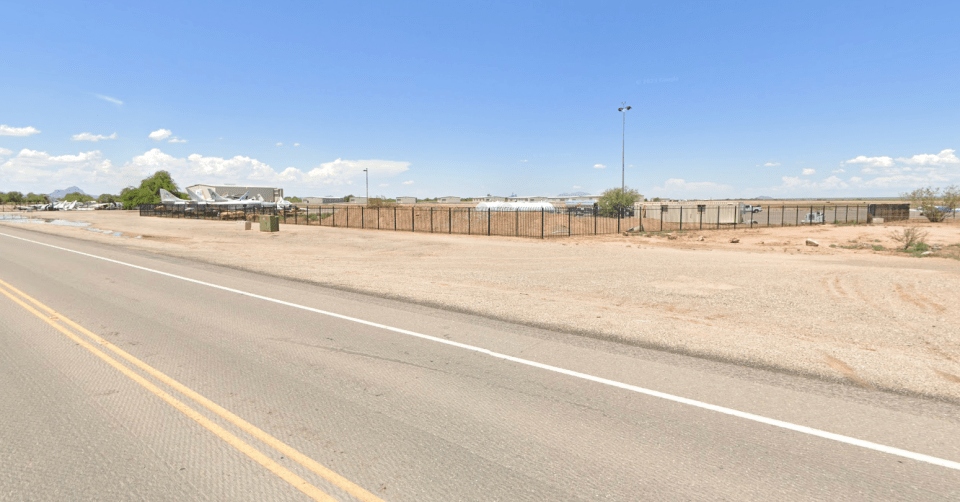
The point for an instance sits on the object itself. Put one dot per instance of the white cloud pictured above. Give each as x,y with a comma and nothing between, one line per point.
5,153
809,172
599,166
383,185
871,161
6,130
409,182
342,171
577,186
86,136
160,134
176,140
678,187
838,170
524,160
296,144
112,100
197,168
36,171
279,144
945,157
771,164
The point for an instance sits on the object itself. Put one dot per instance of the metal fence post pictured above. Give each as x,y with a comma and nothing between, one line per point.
619,214
378,217
449,220
569,223
488,222
431,220
595,219
413,219
516,227
681,218
718,217
469,220
796,222
394,218
541,223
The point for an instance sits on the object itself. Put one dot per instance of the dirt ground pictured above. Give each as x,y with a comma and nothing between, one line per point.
850,309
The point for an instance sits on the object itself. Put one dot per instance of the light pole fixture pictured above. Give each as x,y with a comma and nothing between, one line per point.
623,176
367,174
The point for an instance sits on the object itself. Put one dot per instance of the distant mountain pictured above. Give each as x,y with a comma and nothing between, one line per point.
59,194
574,194
763,197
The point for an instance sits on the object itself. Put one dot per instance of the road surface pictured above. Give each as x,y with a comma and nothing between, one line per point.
128,376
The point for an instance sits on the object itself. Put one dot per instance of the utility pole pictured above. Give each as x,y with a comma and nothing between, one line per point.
367,174
623,152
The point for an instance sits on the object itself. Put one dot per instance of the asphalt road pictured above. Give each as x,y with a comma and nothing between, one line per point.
118,383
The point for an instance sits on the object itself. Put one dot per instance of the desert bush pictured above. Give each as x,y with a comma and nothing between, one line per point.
614,200
935,203
381,201
909,237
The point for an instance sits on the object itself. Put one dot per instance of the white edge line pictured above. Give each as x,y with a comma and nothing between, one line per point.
613,383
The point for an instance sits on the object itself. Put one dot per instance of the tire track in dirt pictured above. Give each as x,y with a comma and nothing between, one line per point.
847,371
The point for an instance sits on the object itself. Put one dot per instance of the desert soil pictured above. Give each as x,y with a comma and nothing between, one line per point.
875,318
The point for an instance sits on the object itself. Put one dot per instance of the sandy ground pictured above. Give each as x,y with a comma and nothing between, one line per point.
882,319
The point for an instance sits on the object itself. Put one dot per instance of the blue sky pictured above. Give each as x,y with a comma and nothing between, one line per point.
730,99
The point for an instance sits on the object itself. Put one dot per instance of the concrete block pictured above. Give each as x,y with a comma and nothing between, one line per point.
876,221
269,224
243,225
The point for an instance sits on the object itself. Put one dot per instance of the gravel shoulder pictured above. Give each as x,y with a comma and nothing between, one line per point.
881,319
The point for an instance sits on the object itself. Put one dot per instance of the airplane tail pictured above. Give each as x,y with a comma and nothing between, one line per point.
166,196
195,196
244,196
217,197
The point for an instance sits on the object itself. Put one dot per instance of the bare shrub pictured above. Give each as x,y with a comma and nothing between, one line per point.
909,237
381,201
935,203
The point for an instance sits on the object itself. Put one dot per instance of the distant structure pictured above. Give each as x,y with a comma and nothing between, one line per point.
269,194
358,200
490,198
406,200
324,200
450,199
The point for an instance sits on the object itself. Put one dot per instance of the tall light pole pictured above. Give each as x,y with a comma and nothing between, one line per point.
623,153
367,174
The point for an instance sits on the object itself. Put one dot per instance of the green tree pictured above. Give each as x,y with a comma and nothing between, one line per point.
614,200
13,198
149,190
34,198
105,197
293,199
346,198
77,196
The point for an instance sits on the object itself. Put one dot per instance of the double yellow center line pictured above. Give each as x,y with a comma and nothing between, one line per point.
70,330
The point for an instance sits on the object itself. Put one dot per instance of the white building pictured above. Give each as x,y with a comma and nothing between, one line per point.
406,200
450,199
324,200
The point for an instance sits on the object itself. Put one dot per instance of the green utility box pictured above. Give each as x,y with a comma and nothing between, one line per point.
269,224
